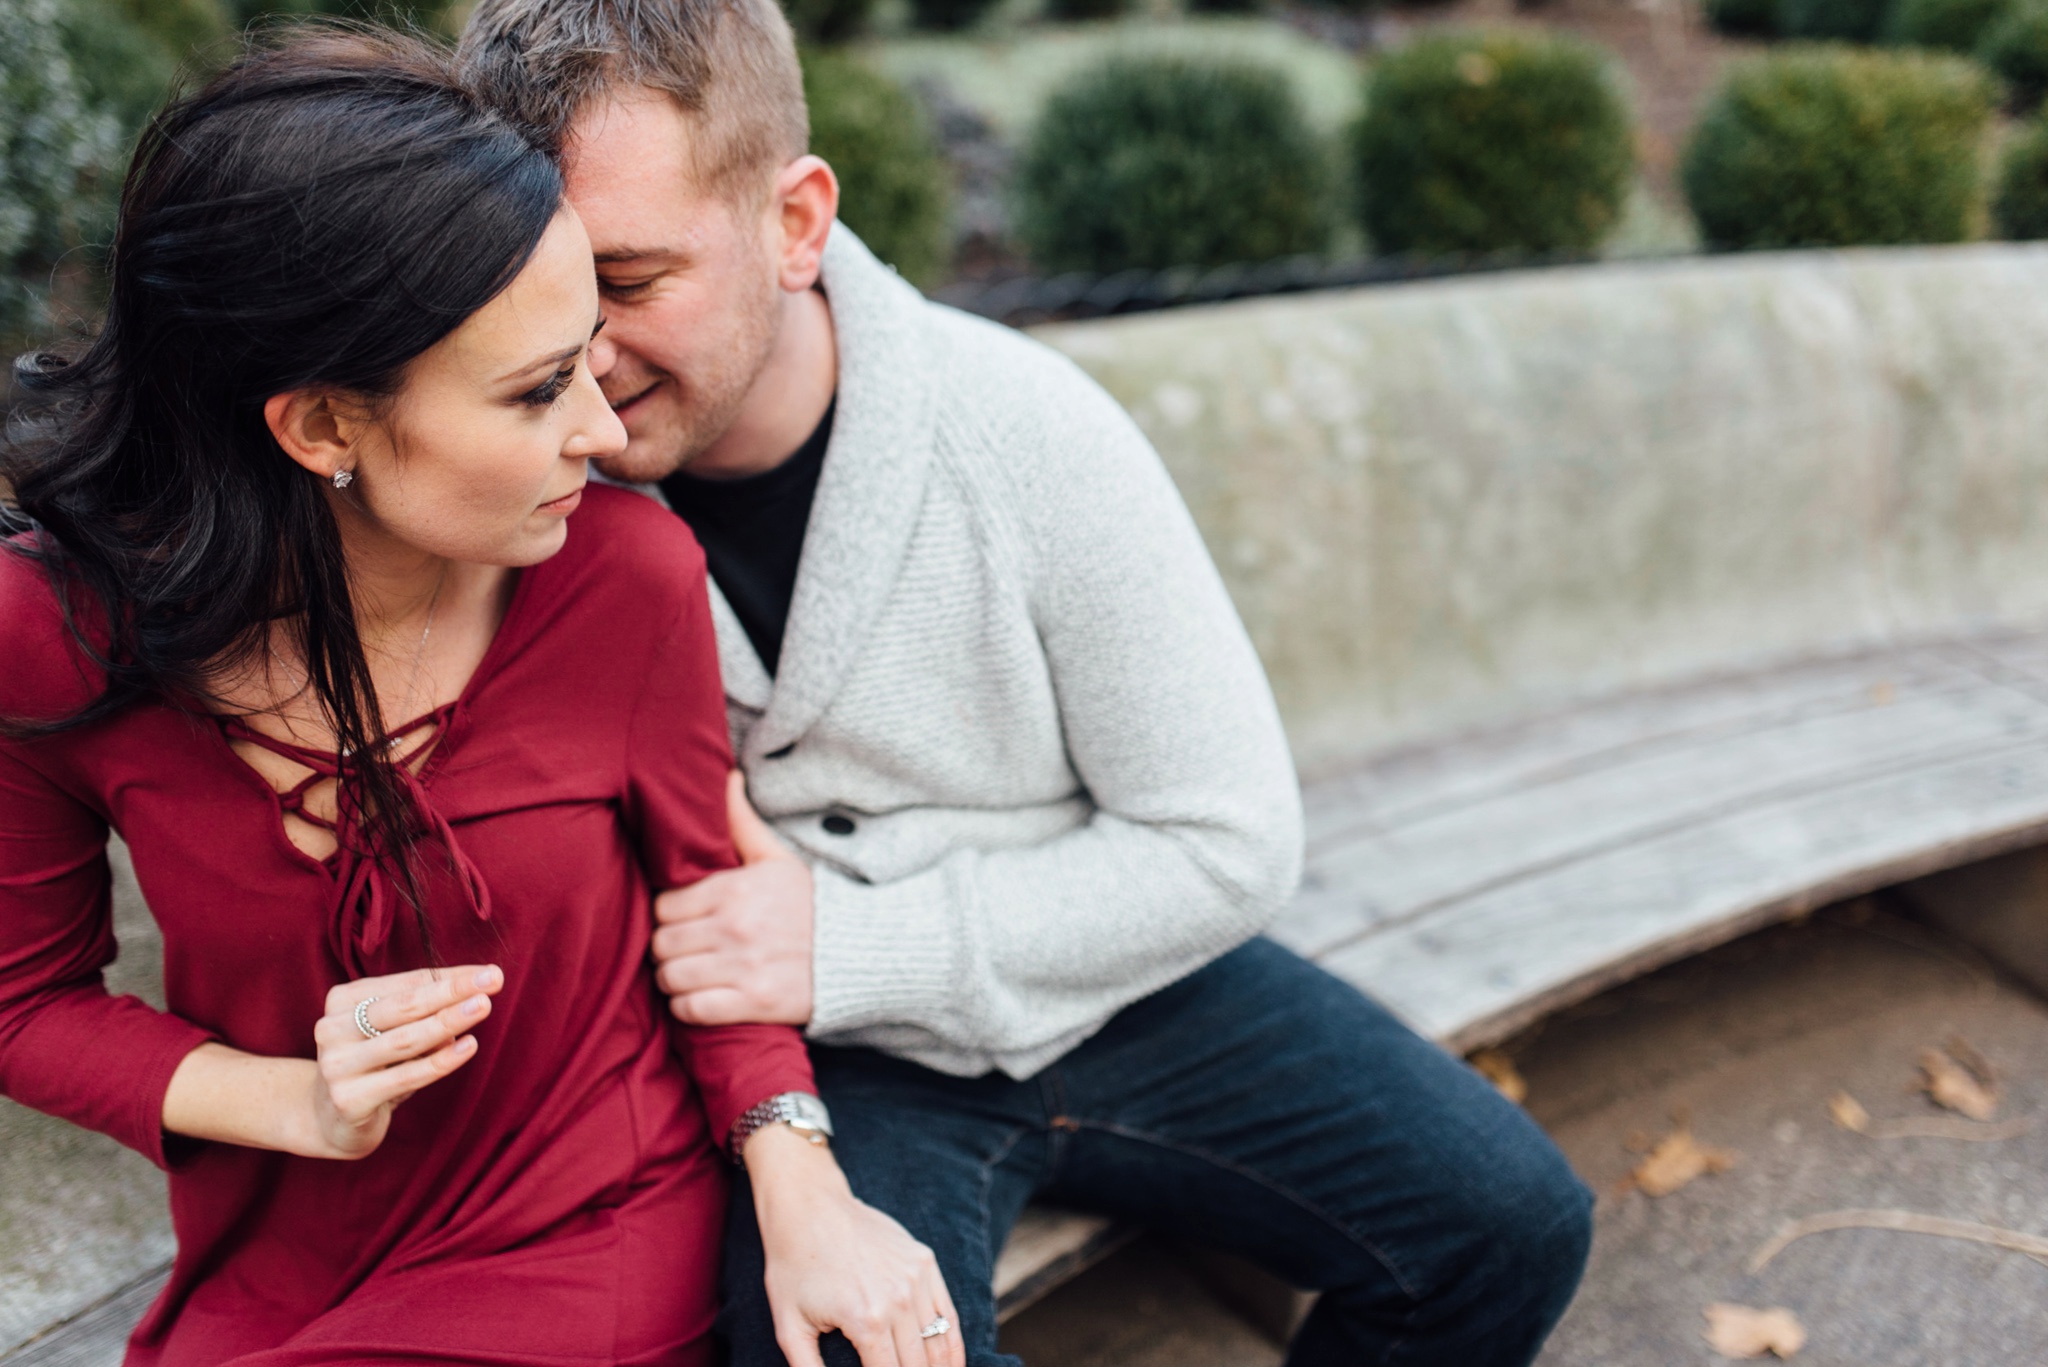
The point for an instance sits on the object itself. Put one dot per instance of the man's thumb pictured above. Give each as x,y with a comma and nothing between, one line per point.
753,838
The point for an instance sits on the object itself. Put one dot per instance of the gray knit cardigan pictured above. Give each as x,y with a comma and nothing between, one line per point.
1017,728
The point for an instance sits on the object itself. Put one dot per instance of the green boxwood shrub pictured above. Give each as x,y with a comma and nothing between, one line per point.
1830,146
828,21
2021,206
1849,21
1745,18
1085,9
948,16
1492,141
1947,25
1165,161
892,180
2016,47
54,143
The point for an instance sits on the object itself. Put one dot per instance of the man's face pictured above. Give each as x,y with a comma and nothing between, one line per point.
688,276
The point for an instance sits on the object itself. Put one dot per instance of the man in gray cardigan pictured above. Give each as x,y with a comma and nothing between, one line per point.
1029,796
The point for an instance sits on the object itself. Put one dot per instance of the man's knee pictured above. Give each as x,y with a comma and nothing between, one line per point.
1528,1229
1549,1229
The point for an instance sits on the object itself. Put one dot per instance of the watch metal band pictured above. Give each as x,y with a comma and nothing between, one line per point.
800,1111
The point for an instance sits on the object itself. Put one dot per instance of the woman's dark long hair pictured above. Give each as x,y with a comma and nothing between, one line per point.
318,215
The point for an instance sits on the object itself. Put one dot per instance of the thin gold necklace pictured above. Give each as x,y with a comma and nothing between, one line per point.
419,657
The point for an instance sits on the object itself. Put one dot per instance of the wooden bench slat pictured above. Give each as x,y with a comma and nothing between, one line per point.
1048,1247
1450,855
1390,789
1474,971
1874,714
98,1337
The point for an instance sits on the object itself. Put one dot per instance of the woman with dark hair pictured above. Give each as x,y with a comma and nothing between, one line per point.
399,750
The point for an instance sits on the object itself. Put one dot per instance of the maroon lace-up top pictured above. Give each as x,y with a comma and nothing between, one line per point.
559,1199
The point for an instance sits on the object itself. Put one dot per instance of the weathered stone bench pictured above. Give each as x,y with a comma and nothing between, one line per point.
1614,612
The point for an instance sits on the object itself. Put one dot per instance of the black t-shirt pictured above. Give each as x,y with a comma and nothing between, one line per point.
752,531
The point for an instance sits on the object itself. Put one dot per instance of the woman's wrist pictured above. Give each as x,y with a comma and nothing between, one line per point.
229,1097
787,1169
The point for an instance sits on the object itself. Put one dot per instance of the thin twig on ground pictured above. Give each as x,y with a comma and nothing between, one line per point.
1904,1222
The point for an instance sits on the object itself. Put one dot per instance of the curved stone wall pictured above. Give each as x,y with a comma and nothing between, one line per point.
1448,503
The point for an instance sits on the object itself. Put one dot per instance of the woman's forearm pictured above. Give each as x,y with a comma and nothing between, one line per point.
788,1171
833,1262
230,1097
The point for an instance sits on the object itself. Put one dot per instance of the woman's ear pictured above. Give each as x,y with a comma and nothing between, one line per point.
309,426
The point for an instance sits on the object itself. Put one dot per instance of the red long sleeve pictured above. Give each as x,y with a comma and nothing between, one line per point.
66,1046
678,757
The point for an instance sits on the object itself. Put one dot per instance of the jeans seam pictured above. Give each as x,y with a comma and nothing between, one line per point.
1378,1255
988,1181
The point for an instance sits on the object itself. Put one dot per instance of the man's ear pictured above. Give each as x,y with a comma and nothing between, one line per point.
309,426
806,202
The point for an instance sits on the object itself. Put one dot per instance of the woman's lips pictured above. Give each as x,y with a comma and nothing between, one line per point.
565,504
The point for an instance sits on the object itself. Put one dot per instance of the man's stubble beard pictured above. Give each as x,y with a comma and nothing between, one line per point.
704,410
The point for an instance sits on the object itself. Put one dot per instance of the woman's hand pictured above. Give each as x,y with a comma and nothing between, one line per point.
338,1106
424,1018
835,1263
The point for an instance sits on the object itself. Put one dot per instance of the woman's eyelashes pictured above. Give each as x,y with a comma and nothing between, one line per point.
557,385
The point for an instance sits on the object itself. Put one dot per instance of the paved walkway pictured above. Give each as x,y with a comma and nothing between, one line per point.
1748,1042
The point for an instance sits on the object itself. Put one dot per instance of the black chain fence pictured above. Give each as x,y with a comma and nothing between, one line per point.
1022,300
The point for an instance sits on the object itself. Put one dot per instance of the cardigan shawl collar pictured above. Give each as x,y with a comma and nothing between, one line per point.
866,505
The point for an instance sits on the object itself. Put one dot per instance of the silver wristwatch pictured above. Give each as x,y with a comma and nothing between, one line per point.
800,1111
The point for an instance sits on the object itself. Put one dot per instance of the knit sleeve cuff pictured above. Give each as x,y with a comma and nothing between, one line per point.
891,955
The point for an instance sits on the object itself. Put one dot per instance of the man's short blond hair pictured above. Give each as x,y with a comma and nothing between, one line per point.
730,64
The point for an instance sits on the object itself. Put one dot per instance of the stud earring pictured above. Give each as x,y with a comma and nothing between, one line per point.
344,478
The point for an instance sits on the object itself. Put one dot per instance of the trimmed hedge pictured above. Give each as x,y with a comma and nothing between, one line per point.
949,16
1492,141
1947,25
892,180
1850,21
2016,47
827,21
2021,208
1745,18
1085,9
1165,161
1830,147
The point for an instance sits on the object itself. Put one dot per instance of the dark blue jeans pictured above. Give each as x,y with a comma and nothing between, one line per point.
1259,1106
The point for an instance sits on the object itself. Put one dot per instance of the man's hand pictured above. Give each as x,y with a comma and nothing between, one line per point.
736,948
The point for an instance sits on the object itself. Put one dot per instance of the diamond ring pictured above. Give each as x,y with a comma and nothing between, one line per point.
939,1326
363,1018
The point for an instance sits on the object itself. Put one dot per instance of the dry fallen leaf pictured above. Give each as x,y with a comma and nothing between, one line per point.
1965,1053
1955,1087
1737,1331
1677,1159
1497,1068
1848,1112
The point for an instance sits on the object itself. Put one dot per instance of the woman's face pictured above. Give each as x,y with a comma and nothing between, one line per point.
482,454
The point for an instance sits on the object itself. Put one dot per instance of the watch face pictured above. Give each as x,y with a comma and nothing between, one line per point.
806,1112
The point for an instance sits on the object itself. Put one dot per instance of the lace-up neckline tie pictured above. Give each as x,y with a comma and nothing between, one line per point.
367,897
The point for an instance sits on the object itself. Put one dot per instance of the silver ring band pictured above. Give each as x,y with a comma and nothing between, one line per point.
936,1328
363,1018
